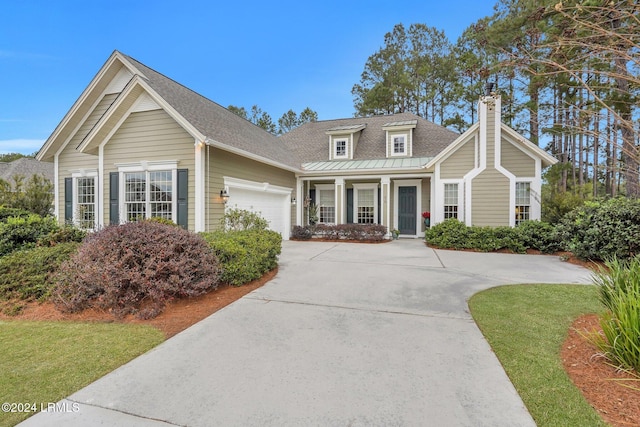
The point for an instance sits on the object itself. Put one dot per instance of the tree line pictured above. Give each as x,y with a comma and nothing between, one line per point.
288,121
567,72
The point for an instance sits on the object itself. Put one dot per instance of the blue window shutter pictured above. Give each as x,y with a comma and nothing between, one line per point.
68,199
349,205
114,199
183,198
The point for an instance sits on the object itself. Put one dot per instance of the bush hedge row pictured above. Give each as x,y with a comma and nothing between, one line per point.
597,230
602,229
244,255
29,274
359,232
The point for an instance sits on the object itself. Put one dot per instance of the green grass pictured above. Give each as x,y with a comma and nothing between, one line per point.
525,326
43,362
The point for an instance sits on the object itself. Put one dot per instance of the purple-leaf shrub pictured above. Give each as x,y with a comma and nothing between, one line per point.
136,268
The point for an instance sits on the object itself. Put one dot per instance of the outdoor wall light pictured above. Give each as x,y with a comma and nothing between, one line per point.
293,201
224,195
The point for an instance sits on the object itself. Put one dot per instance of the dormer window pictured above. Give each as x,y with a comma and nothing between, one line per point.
343,141
399,145
399,136
341,148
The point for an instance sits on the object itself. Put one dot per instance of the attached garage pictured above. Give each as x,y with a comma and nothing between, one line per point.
272,202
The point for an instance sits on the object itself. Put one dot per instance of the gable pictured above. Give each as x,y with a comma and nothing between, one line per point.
516,161
107,81
460,161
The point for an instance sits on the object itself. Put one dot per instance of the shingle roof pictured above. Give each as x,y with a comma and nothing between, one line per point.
26,167
311,143
215,121
307,143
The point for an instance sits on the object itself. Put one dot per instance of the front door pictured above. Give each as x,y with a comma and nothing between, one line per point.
407,197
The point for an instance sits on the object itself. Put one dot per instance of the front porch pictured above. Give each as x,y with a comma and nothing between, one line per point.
397,201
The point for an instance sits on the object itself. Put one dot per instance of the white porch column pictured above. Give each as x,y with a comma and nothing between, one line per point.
385,204
300,196
199,213
340,201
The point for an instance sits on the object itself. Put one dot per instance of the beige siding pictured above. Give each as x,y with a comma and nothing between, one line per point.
150,136
490,199
460,162
223,163
516,161
70,159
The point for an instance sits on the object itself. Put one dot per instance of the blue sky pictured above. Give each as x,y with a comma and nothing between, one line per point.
278,55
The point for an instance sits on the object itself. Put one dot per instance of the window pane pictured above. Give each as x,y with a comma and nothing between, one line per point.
398,145
161,194
523,201
450,201
135,196
86,203
365,206
327,212
341,148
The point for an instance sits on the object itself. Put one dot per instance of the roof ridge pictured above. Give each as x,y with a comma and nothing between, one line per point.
192,91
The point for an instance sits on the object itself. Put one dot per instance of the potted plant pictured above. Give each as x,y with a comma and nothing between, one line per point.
426,215
395,233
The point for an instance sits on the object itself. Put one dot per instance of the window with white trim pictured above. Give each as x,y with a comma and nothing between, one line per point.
85,209
399,145
148,194
365,203
326,206
450,201
523,201
341,148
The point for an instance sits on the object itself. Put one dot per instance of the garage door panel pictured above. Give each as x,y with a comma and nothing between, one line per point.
270,206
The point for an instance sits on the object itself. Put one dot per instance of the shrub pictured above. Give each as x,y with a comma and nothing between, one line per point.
602,229
24,232
66,233
240,219
619,291
359,232
245,255
28,274
161,220
301,233
7,212
449,234
136,268
454,234
538,235
36,196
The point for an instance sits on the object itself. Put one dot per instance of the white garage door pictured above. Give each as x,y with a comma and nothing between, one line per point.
275,207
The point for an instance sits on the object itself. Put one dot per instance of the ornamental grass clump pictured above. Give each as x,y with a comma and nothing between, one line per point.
619,292
136,268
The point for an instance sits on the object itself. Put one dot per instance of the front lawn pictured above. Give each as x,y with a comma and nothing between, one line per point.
526,326
42,362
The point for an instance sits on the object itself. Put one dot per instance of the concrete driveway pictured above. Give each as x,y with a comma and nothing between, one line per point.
345,335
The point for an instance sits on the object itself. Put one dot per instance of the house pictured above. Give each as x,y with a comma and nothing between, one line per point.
137,144
26,168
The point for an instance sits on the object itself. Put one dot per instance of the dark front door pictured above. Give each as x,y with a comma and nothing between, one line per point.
407,210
